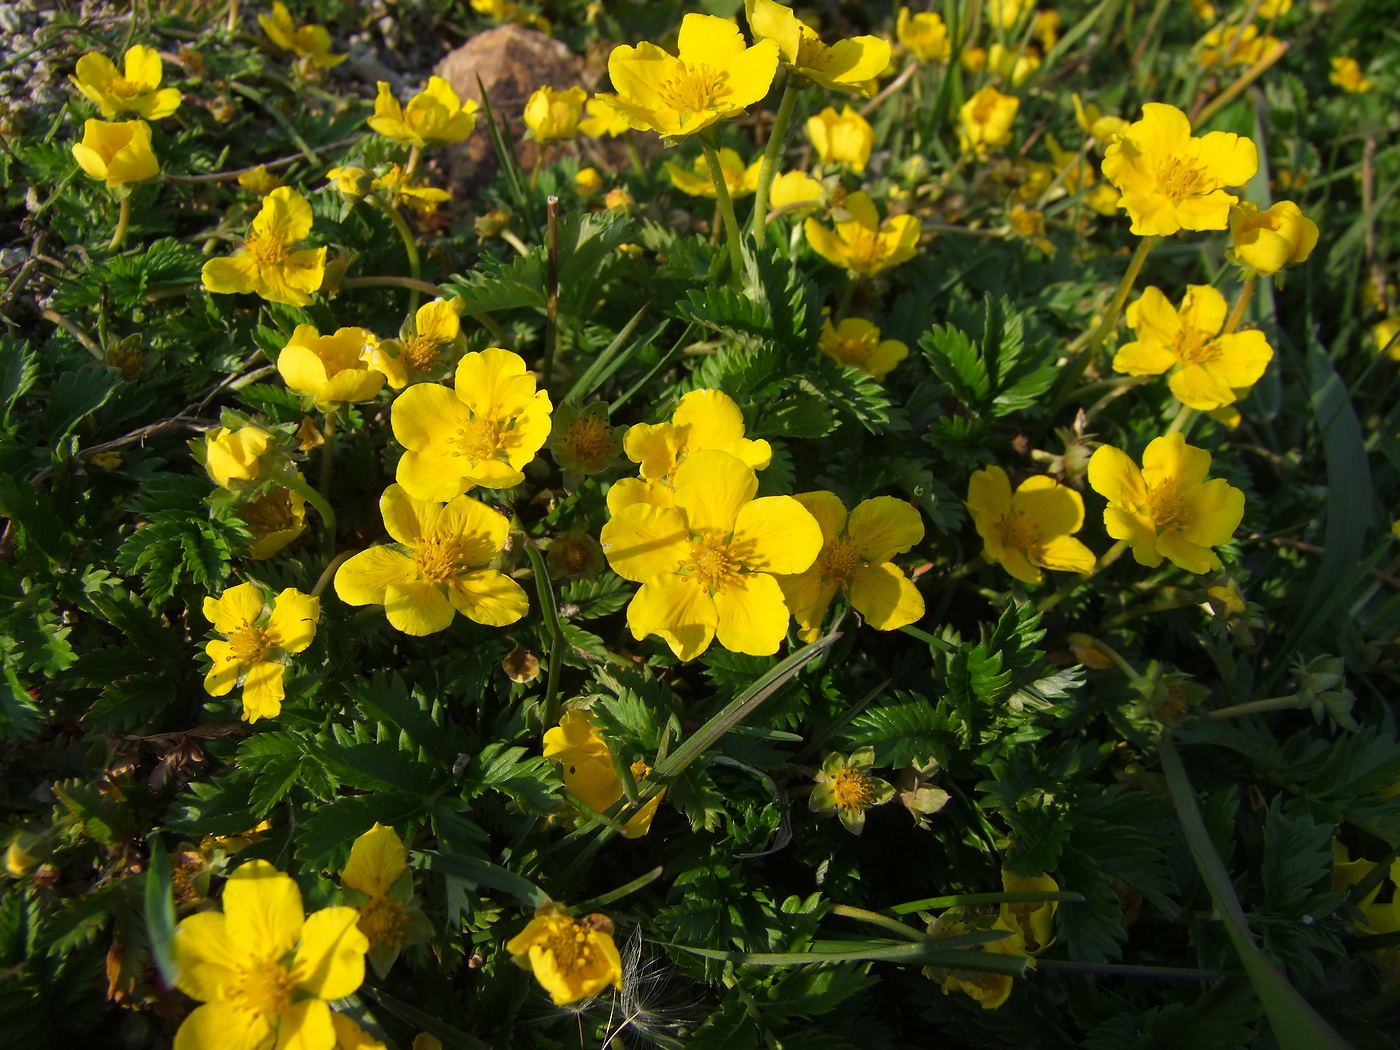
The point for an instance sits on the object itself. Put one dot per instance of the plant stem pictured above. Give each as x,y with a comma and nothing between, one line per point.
410,245
1110,556
769,165
549,609
411,165
323,508
847,294
1241,304
328,572
726,207
1185,416
390,282
327,461
1128,669
876,919
123,221
1254,707
551,294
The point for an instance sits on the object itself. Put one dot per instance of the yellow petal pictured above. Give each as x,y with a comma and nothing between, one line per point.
418,608
223,675
263,691
330,964
1065,554
710,487
202,954
235,608
293,623
230,275
1113,475
777,534
262,910
1143,359
481,531
751,614
885,597
883,527
1055,508
643,541
377,859
221,1024
365,578
769,20
828,510
285,216
677,610
708,38
1213,512
489,597
1171,458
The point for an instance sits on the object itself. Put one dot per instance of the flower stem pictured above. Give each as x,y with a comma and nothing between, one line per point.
323,508
324,489
390,282
1232,323
1110,556
1185,416
1254,707
549,609
1128,669
410,246
123,221
551,295
411,165
726,207
847,294
769,165
876,919
328,572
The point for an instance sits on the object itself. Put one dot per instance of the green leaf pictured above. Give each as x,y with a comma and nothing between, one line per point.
19,713
160,912
494,286
386,699
19,368
74,396
484,873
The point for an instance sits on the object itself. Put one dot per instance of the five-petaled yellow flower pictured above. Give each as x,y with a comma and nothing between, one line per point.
925,34
571,959
1206,367
434,116
554,115
862,243
482,434
266,264
1171,180
842,138
855,559
134,90
418,353
707,564
255,639
331,369
713,78
844,787
1347,75
118,154
985,120
856,343
311,43
847,65
739,179
377,883
1030,529
1167,509
1267,241
588,771
264,970
437,568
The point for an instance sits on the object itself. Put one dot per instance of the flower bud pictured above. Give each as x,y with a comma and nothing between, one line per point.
1267,241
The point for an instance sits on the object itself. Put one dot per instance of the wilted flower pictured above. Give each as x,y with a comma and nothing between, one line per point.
118,154
1234,46
1030,529
256,637
275,519
1032,924
1013,65
554,115
311,43
574,553
266,264
571,959
401,189
856,343
434,116
846,789
135,90
1267,241
842,138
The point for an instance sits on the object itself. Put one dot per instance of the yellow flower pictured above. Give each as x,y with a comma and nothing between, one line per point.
482,434
863,243
1386,333
847,65
1167,509
310,42
1171,180
1244,47
437,567
587,181
1030,225
264,970
331,369
713,78
1207,368
795,191
856,343
118,154
135,90
582,442
1006,13
1032,924
925,34
506,11
553,115
434,116
990,989
255,637
1014,65
266,264
259,180
378,884
706,564
572,960
845,787
603,117
618,201
1274,8
973,59
1030,529
1045,27
233,458
1347,75
985,120
396,185
589,774
842,138
417,353
855,559
275,519
1204,10
741,181
1267,241
350,1036
1104,127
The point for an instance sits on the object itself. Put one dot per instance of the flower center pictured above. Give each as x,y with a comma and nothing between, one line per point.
839,561
264,988
854,350
850,789
1018,532
421,353
588,441
1180,177
265,251
250,644
270,513
439,558
568,940
383,922
864,247
1166,507
692,88
811,52
122,88
1194,347
712,562
478,439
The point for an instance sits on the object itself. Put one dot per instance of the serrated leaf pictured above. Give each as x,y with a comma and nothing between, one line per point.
73,397
19,368
386,699
492,287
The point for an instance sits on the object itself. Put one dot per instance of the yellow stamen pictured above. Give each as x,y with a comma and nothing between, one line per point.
588,441
383,922
250,644
1019,532
1197,348
266,251
692,88
1166,507
713,563
439,558
839,561
421,352
478,439
1181,177
850,789
265,988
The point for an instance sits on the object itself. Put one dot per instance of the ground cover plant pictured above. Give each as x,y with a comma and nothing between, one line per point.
461,551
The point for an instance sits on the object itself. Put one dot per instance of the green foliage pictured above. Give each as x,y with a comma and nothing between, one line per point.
181,540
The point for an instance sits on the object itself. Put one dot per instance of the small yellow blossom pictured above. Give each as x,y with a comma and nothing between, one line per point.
352,182
507,11
437,566
714,77
434,116
553,115
1347,75
256,636
310,43
1045,27
571,959
1386,333
856,559
973,59
119,154
1274,8
847,65
483,433
259,180
861,242
1104,127
1031,529
1206,367
991,990
1013,64
856,343
842,138
378,884
795,191
266,264
1232,46
844,787
603,117
330,369
275,519
588,771
106,460
403,190
741,180
134,90
618,201
1204,10
1029,224
1171,180
350,1036
1032,923
587,182
985,120
233,458
925,34
1006,13
583,442
1267,241
1167,509
426,345
265,971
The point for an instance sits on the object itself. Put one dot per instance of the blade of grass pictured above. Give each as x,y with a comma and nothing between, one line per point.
608,362
963,900
160,913
484,873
